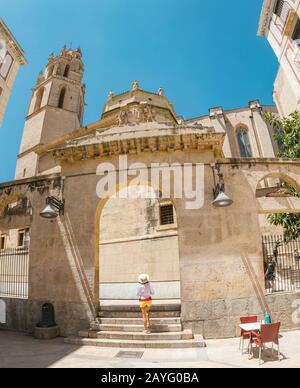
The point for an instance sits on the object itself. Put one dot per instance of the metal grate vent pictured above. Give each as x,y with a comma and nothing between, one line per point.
167,215
135,355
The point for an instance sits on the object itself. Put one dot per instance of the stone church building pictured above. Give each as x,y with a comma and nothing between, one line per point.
206,264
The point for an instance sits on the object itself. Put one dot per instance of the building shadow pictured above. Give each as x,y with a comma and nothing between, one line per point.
19,350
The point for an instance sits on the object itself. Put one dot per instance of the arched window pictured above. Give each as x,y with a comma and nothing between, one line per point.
39,99
244,143
62,98
67,70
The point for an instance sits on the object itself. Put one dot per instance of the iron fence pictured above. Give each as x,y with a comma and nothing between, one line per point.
14,268
281,264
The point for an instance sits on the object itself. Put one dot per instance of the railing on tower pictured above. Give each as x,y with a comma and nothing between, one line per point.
282,10
14,268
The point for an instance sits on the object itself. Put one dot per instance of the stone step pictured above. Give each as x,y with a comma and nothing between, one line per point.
155,328
137,315
120,335
136,308
138,321
125,344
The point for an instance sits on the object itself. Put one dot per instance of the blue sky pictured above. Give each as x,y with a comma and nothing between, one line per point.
204,53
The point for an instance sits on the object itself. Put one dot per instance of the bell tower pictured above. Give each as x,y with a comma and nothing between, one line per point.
56,107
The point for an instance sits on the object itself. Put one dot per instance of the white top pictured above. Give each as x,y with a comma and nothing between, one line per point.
145,291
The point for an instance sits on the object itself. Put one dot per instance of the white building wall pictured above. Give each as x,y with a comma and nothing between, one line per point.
11,59
280,33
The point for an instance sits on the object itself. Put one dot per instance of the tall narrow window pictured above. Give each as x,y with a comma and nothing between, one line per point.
244,143
279,7
282,10
23,238
2,241
39,99
62,98
6,66
67,71
296,33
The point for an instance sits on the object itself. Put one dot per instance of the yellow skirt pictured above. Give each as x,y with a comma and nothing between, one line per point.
146,305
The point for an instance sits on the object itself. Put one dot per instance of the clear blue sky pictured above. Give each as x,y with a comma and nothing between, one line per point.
204,53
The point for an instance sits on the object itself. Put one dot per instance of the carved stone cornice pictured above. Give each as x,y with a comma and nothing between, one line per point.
44,81
13,44
15,190
138,145
264,17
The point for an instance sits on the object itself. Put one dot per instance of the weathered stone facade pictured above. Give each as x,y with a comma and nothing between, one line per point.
211,258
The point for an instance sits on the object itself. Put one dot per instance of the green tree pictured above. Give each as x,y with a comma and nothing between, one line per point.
287,134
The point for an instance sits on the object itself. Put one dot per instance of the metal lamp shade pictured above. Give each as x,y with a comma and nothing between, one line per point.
222,200
49,213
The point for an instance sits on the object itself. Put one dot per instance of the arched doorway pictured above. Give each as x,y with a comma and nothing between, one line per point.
138,235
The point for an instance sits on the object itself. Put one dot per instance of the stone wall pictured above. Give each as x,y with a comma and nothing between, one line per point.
16,314
220,251
220,318
132,241
250,119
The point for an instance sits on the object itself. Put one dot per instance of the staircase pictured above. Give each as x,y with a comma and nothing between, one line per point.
122,326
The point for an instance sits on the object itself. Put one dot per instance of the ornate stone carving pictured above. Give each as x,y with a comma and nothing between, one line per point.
41,78
15,193
142,113
135,86
147,114
123,116
161,92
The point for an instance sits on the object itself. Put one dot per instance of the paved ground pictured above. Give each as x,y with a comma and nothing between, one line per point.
19,350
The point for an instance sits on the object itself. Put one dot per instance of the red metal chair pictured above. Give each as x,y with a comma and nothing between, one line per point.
245,335
268,334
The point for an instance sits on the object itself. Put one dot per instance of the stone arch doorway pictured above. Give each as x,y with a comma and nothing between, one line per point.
137,235
277,193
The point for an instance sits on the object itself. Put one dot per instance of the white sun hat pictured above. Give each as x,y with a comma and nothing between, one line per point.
144,278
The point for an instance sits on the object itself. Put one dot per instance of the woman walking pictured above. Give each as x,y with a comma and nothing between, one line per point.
145,292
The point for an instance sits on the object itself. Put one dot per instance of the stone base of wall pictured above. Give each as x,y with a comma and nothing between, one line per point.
285,308
212,319
24,315
220,318
16,314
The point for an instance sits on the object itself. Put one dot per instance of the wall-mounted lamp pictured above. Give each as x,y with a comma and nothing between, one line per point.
54,208
220,198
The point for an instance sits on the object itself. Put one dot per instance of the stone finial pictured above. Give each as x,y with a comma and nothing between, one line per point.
254,104
64,50
216,112
40,77
135,86
161,91
111,94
